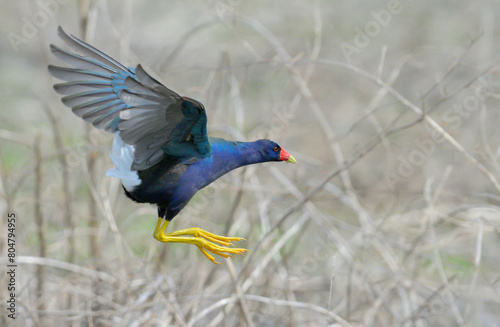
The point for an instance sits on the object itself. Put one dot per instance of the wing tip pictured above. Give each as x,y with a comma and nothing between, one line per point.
60,30
68,38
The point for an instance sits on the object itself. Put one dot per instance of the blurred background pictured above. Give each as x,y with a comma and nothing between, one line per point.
390,217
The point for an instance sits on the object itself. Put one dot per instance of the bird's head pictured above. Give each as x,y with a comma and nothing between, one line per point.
272,151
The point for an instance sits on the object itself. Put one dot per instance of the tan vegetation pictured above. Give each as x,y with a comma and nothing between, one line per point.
390,217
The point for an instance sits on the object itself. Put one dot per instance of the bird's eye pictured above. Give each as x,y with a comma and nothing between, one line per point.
276,149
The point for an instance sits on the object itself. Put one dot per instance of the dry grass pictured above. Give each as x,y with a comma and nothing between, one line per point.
390,218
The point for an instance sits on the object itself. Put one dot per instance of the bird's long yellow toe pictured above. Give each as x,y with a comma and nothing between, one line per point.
204,240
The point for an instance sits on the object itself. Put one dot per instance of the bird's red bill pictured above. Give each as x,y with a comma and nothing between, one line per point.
285,156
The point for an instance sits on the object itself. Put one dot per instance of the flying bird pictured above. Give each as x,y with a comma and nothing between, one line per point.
161,150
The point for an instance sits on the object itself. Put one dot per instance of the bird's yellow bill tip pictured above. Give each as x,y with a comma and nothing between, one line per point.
291,160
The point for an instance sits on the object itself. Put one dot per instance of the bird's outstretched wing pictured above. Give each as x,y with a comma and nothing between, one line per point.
154,119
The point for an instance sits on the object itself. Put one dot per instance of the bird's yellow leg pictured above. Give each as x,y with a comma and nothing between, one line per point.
158,226
202,239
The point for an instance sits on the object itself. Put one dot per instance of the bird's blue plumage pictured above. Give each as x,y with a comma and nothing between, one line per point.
161,150
172,183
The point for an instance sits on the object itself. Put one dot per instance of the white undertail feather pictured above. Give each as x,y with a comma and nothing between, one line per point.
123,157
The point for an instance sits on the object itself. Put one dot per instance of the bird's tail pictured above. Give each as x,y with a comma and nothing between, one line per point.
123,157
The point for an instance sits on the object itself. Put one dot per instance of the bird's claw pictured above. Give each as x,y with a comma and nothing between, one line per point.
225,252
